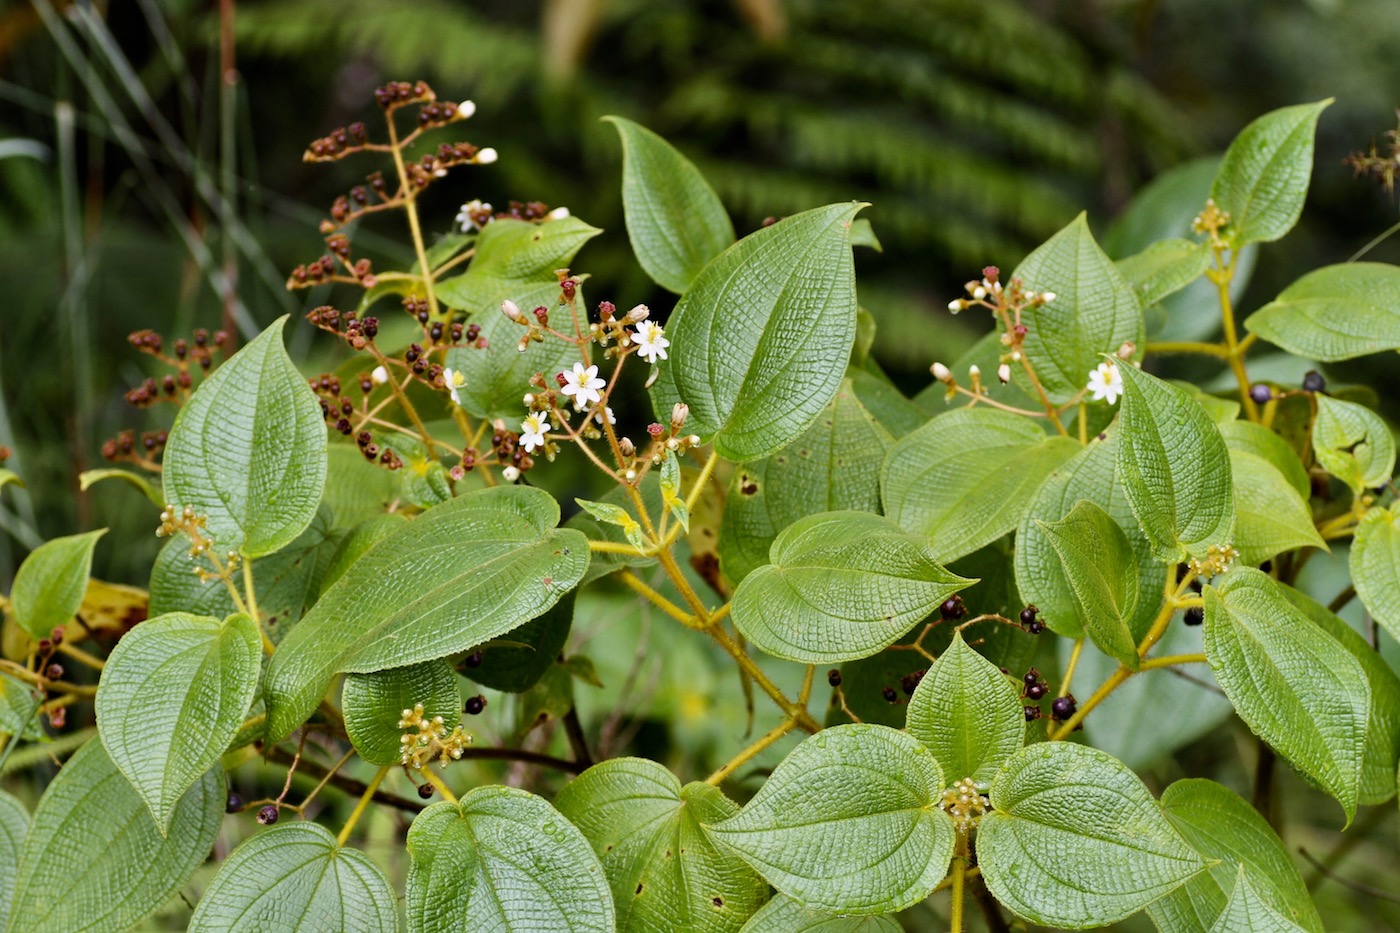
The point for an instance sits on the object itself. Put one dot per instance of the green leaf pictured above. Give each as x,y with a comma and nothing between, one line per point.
1095,311
530,650
863,234
1248,913
753,339
841,586
835,465
1164,268
1175,467
1040,574
89,478
462,573
498,375
9,476
967,714
14,825
373,704
1383,724
172,696
1375,566
603,563
17,710
1335,313
94,861
1258,440
1263,178
611,514
965,478
1353,443
248,450
503,859
1096,558
674,218
849,822
1076,840
353,546
296,878
671,491
1270,516
356,489
665,870
1292,683
894,411
518,250
782,914
49,585
1230,833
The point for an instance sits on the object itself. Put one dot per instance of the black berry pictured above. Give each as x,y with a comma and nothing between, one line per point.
1036,691
474,659
425,791
476,704
1313,381
1036,627
833,677
889,695
268,814
1032,713
1062,708
953,608
1031,676
1194,616
1260,393
1028,614
233,804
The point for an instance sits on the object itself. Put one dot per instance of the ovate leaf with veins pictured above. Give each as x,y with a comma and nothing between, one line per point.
849,822
1335,313
841,585
967,714
754,338
503,859
1270,516
1375,566
462,573
296,878
1263,179
14,825
1096,559
172,696
373,704
248,450
1290,681
782,914
1164,268
1247,912
674,218
50,584
1353,443
1075,839
665,870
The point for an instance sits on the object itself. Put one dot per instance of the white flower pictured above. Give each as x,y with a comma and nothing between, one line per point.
559,213
608,412
466,213
454,380
583,385
486,156
379,376
651,345
532,431
465,109
1105,383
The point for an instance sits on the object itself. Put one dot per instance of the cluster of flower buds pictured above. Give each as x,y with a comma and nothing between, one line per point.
425,739
965,803
316,272
349,326
402,93
152,391
199,348
338,142
510,454
433,166
128,446
1217,560
384,456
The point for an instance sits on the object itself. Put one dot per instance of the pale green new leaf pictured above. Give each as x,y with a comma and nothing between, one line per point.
967,714
1075,839
1258,440
674,218
1040,575
840,586
502,859
1375,566
849,822
616,515
1095,311
1270,516
671,491
1290,681
516,250
49,585
1230,833
9,476
1164,268
171,698
1335,313
1353,443
373,704
14,825
1096,559
1175,468
1263,178
94,861
754,339
296,878
665,871
965,478
834,466
89,478
248,450
1248,913
782,914
462,573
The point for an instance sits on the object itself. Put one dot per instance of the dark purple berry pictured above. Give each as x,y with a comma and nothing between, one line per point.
233,804
1194,616
1031,676
1036,691
1062,708
952,608
1313,381
475,705
474,659
425,791
1260,393
1032,713
1036,627
1028,614
889,695
833,677
268,814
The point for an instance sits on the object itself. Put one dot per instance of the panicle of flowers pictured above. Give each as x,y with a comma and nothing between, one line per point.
1217,560
966,802
425,739
1007,302
175,520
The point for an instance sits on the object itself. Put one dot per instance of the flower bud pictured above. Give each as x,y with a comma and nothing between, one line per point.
486,156
1004,373
941,372
512,310
465,109
979,293
974,371
1127,350
628,448
955,305
379,376
510,474
559,213
1047,297
679,412
636,315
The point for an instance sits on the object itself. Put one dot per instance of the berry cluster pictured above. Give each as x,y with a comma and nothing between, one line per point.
128,446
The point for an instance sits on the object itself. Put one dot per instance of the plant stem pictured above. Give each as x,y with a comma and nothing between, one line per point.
577,740
1189,346
738,761
955,912
359,810
1069,668
251,595
1222,275
1171,660
656,599
410,208
81,656
438,783
795,711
